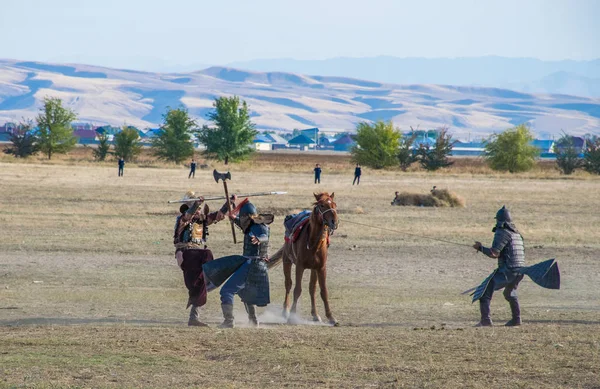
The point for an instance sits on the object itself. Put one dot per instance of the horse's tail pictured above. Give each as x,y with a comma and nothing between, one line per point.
275,259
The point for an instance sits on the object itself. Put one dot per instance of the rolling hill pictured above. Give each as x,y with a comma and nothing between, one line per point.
284,101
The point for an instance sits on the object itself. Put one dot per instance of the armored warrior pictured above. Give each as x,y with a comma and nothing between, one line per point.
190,235
509,249
248,276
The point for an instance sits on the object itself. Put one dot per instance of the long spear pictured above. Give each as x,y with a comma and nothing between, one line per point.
208,198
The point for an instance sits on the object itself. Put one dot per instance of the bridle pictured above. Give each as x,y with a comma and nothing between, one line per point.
326,230
318,207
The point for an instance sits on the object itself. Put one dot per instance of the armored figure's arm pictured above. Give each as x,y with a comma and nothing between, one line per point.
236,221
176,230
501,239
259,234
187,216
218,215
490,252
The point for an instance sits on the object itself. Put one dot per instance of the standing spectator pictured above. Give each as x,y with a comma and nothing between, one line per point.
192,169
357,173
121,166
317,170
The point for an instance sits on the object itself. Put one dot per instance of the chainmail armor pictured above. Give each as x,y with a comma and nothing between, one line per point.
511,248
256,250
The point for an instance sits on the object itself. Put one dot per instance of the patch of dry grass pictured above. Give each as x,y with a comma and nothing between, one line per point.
109,310
436,198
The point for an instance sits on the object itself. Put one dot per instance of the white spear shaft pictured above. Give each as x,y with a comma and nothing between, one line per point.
208,198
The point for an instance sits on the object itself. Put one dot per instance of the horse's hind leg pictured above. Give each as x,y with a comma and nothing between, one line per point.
297,292
287,273
322,275
312,287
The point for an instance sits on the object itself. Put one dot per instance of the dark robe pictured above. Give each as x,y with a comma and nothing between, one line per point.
193,259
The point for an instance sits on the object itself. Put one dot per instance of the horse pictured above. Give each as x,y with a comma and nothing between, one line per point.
309,251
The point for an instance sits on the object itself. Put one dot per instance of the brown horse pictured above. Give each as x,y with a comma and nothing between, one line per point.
309,251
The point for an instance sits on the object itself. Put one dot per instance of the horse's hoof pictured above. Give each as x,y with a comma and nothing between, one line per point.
316,318
334,322
285,315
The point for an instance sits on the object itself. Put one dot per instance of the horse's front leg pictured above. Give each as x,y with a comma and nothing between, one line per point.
287,274
297,292
322,275
312,288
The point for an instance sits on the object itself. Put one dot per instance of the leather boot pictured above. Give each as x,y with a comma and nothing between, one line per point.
251,309
484,308
194,320
227,315
516,314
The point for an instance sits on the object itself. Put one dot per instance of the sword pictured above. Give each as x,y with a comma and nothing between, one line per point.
208,198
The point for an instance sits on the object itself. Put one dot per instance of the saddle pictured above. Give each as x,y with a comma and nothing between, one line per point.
294,224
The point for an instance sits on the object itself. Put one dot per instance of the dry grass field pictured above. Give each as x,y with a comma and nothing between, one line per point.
90,294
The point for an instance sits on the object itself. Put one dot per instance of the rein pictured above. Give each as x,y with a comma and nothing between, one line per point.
408,233
325,233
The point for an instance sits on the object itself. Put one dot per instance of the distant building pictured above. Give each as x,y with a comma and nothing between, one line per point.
8,128
85,137
343,143
544,145
576,142
325,143
81,126
312,133
302,142
468,149
108,130
152,132
277,141
262,143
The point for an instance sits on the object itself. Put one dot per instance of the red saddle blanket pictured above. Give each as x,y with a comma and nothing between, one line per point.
295,233
298,229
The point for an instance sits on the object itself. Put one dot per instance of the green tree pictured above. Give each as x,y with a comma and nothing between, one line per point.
103,148
436,157
591,156
232,136
174,139
55,135
511,151
23,142
406,153
127,143
567,156
376,145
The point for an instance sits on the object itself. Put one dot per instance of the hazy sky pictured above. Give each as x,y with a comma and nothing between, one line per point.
161,34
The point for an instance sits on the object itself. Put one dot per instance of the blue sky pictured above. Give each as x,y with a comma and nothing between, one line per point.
158,34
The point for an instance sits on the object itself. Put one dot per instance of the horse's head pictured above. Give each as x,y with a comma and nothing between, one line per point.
326,210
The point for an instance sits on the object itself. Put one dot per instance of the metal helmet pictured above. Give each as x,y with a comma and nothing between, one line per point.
504,220
190,194
248,209
503,215
246,215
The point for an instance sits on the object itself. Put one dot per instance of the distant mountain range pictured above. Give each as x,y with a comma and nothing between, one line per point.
284,101
579,78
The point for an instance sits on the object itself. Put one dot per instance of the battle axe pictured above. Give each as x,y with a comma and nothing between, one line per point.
224,177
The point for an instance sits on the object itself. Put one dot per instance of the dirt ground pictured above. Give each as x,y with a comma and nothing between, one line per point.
90,295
